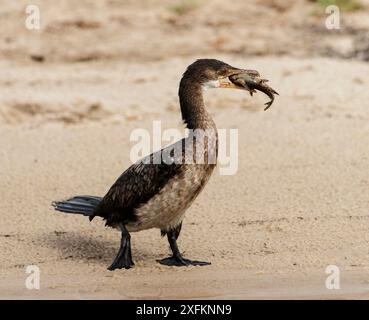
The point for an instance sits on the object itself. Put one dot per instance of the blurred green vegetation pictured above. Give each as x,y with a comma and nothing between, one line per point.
184,6
344,5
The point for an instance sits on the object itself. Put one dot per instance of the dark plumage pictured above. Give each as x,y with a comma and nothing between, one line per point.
151,195
135,187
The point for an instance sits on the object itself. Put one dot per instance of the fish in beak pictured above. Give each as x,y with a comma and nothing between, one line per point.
251,81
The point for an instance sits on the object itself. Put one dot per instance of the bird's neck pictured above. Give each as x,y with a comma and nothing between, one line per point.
192,105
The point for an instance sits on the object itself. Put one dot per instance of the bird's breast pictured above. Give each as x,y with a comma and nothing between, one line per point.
166,209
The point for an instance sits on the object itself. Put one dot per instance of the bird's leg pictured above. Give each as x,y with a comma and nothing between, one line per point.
124,256
176,259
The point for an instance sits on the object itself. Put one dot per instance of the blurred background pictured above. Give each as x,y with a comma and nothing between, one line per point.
150,30
115,35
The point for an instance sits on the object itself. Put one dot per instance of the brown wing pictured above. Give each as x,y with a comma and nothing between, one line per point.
137,185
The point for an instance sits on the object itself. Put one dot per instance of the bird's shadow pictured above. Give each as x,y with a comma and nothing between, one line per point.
74,246
77,247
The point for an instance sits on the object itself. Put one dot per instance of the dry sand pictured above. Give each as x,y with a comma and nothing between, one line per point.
298,203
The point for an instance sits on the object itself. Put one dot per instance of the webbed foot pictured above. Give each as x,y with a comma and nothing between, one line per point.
180,262
123,260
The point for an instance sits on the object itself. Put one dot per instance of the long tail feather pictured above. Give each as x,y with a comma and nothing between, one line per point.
79,205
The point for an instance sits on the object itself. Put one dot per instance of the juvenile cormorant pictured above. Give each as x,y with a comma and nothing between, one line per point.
156,194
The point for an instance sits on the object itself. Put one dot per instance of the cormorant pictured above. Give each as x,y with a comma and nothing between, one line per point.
156,194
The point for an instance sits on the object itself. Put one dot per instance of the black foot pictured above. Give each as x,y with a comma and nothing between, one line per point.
123,259
121,264
124,256
180,262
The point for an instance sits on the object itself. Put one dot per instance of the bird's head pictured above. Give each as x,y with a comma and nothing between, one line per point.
212,73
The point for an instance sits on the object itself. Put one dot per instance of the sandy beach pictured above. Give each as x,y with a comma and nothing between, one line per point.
72,93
